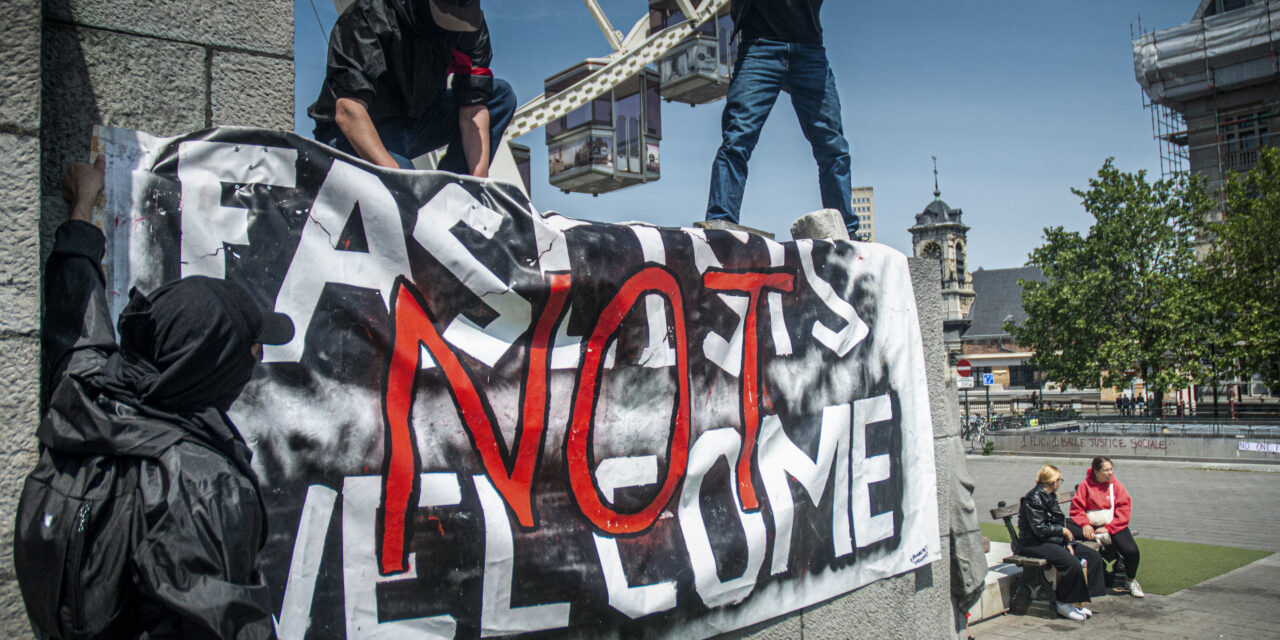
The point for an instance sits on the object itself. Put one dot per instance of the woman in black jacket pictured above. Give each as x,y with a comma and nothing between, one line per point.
1043,533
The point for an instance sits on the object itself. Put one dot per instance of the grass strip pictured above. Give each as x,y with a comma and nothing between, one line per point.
1168,567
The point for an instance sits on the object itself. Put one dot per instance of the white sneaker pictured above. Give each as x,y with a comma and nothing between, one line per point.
1085,610
1066,610
1135,589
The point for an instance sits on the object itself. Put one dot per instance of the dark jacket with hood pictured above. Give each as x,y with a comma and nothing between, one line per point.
391,55
142,518
1040,519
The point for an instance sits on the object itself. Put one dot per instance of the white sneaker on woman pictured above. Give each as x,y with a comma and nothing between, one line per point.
1135,589
1067,610
1085,610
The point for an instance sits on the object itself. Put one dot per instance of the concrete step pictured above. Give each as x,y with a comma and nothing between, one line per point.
998,590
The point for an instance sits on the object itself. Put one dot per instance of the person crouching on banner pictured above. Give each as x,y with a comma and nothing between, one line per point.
386,97
1100,511
1043,533
142,517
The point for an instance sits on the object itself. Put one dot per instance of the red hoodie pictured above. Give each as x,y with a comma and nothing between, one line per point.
1091,496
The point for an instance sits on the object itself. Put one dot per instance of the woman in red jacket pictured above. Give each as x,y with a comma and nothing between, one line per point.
1100,511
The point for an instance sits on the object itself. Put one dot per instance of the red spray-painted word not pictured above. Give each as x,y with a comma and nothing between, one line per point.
414,327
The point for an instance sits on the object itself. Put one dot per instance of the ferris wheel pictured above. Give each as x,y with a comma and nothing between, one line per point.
603,115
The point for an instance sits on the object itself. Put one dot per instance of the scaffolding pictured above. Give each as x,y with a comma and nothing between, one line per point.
1192,76
1170,131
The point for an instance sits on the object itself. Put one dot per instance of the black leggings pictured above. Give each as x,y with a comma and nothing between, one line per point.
1124,543
1071,579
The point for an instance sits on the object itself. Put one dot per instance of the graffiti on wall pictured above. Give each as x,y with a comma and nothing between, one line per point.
493,421
1104,443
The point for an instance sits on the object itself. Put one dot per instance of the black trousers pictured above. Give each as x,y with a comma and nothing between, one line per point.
1124,543
1072,586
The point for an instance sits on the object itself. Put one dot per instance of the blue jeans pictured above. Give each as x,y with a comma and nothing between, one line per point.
408,138
763,68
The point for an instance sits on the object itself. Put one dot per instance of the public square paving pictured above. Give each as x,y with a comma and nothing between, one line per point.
1230,505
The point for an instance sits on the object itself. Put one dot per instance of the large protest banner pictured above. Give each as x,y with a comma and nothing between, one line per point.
493,421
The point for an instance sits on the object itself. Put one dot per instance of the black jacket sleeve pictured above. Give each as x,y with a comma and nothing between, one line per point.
356,56
77,322
475,87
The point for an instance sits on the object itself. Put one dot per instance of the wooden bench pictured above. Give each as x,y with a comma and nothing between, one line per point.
1034,583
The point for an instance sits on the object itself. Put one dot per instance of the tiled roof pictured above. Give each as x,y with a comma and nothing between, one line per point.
997,296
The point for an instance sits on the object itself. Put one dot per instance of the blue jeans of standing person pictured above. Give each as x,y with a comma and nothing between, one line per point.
408,138
764,68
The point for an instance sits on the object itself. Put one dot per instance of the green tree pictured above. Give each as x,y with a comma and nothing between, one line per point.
1243,272
1121,301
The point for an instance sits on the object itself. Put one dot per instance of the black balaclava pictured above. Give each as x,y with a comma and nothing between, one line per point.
186,347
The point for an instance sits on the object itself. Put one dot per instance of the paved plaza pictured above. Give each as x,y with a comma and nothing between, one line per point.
1232,505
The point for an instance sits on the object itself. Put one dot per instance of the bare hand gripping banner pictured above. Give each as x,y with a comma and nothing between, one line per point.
493,421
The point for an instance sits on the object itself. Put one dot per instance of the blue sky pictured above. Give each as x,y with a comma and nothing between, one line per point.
1020,100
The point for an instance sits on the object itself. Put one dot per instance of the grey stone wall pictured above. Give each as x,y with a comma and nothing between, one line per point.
914,605
166,67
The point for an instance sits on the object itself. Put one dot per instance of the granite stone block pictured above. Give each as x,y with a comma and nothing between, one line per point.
928,291
53,212
820,225
19,416
19,224
20,403
252,91
264,26
20,71
13,613
786,627
99,77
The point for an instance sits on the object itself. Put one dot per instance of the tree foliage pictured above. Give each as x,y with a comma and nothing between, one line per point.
1122,301
1243,273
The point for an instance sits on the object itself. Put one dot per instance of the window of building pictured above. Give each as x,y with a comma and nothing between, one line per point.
1242,135
1223,6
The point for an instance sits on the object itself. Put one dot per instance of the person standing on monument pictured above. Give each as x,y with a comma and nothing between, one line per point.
386,96
781,50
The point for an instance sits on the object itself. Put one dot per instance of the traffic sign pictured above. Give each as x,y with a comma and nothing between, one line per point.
963,368
965,382
988,379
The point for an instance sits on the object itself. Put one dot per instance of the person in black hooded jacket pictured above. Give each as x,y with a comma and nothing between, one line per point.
142,518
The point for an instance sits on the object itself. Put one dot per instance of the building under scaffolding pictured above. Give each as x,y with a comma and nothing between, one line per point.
1213,87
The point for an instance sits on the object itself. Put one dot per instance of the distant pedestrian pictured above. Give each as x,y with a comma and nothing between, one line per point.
781,50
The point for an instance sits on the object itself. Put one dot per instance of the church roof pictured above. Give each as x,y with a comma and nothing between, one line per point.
938,212
997,297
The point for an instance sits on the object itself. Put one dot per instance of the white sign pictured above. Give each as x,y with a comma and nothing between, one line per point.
964,383
1265,447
